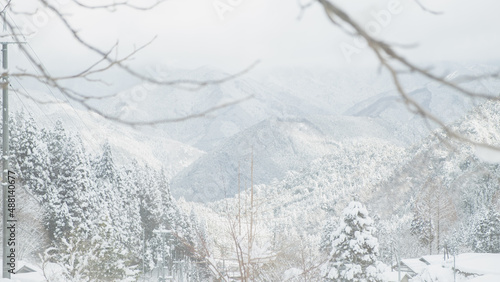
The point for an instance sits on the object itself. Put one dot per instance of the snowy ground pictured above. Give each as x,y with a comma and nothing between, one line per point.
52,273
470,267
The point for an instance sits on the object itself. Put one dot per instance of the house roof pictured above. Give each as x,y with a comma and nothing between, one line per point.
479,264
25,269
433,260
415,265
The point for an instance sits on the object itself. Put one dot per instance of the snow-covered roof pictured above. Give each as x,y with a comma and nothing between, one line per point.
416,265
471,266
435,273
31,273
478,263
28,272
25,267
486,278
433,259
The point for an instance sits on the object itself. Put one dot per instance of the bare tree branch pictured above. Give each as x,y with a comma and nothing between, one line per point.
390,59
5,8
427,10
304,7
107,60
113,6
165,120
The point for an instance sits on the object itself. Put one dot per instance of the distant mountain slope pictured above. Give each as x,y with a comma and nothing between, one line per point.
330,182
332,91
442,101
289,100
469,173
292,93
127,143
382,116
279,145
299,205
207,133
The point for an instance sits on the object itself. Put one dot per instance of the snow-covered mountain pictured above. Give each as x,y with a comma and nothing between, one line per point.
295,116
291,142
279,146
281,94
445,103
208,132
127,143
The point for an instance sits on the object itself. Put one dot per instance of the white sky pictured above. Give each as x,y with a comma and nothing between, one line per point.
190,33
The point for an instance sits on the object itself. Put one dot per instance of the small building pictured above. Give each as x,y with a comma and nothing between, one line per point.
412,266
25,269
28,272
433,259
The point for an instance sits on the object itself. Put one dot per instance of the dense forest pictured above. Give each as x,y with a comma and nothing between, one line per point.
95,219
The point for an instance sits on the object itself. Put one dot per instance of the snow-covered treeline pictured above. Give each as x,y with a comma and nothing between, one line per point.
95,219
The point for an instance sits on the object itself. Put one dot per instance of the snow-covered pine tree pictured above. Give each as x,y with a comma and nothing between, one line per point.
486,234
30,157
354,249
423,229
329,229
109,194
199,230
104,165
69,201
127,212
176,219
151,209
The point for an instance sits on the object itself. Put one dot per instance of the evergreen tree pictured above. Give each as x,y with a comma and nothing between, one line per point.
70,202
104,165
95,256
486,234
199,231
30,157
326,237
175,219
423,229
120,212
126,214
354,249
150,199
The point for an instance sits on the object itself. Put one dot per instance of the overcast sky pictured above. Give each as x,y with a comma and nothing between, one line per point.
193,33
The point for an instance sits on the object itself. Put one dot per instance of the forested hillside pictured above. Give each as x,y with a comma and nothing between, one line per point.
95,219
440,195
